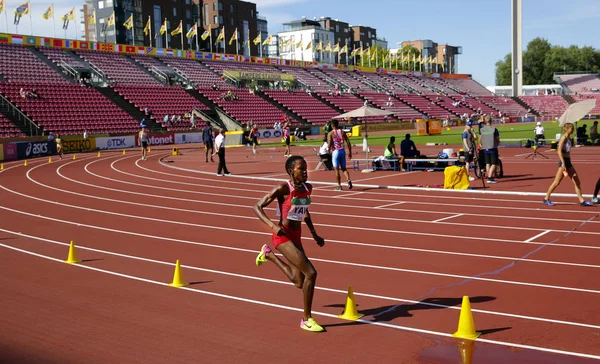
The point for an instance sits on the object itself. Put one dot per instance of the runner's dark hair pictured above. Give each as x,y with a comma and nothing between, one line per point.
291,162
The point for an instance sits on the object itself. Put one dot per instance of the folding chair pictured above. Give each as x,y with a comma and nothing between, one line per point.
321,161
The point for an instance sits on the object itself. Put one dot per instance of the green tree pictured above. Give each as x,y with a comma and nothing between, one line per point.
503,71
534,72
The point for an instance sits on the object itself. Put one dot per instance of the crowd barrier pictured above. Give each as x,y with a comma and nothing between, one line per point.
116,142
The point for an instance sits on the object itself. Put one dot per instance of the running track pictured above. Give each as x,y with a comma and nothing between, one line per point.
410,255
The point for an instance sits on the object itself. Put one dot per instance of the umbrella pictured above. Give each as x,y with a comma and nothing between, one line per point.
577,111
363,112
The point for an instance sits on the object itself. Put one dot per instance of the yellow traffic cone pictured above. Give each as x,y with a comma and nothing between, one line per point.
178,280
350,312
2,167
123,151
466,348
72,258
49,159
74,156
466,326
25,163
98,154
148,150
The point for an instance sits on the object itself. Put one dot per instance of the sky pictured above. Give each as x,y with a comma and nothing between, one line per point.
481,27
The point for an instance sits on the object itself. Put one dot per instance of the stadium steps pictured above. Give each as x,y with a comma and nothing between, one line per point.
569,99
129,108
47,61
6,110
331,105
283,109
212,113
146,71
526,106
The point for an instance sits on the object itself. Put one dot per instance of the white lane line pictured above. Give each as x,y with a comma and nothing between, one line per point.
538,235
388,175
369,266
237,275
390,204
327,187
289,308
348,194
477,192
447,218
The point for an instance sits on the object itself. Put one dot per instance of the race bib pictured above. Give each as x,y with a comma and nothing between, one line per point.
299,208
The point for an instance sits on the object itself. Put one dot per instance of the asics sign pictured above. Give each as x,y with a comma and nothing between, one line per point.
35,149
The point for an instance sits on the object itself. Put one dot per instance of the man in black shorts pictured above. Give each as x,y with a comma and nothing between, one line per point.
490,140
207,139
468,139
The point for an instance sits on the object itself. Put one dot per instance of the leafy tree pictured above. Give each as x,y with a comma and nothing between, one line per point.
541,60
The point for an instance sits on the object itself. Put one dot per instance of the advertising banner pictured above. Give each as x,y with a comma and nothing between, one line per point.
255,75
35,149
10,151
116,142
270,133
183,138
158,139
76,144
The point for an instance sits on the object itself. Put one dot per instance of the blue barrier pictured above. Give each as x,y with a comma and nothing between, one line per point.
35,149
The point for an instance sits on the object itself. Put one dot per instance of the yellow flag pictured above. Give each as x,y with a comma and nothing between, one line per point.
268,40
92,18
49,13
129,22
336,49
221,35
309,45
299,44
257,40
344,49
192,32
179,29
147,27
206,34
328,47
22,9
163,27
2,6
110,21
234,36
319,47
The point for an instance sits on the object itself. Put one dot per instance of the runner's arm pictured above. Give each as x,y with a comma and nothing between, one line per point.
276,193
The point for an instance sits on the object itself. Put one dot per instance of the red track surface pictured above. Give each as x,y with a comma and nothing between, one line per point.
531,271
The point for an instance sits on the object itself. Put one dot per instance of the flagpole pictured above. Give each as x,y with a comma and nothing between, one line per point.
210,35
237,45
75,26
31,19
150,30
197,47
260,45
53,22
181,23
132,30
166,35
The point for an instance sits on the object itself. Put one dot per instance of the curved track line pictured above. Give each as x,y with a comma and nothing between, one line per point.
324,314
237,275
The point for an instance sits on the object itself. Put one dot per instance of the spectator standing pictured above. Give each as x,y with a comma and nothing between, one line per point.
468,139
85,135
207,139
220,150
490,140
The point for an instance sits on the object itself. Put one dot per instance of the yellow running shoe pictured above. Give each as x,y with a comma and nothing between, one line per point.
311,325
262,256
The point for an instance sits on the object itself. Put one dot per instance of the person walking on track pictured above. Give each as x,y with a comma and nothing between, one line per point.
293,200
565,168
220,150
143,137
336,139
207,139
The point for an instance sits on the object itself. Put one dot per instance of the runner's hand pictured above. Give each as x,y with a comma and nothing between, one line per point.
320,241
349,155
279,230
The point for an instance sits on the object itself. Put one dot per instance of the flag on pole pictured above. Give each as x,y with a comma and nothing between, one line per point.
70,15
192,32
234,36
309,45
206,34
110,21
299,44
2,6
221,35
328,47
319,46
147,27
49,13
163,28
258,38
268,40
129,23
336,49
22,9
92,18
344,49
179,28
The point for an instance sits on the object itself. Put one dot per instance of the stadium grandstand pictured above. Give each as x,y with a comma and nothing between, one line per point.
67,91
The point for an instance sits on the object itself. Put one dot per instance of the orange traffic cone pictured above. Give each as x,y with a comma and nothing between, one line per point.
350,312
72,258
2,167
466,326
178,280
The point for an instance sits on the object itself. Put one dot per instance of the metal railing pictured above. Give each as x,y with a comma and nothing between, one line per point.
159,74
69,69
34,129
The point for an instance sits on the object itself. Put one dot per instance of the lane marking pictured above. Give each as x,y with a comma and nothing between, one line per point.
538,235
237,275
447,218
348,194
389,205
369,266
289,308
